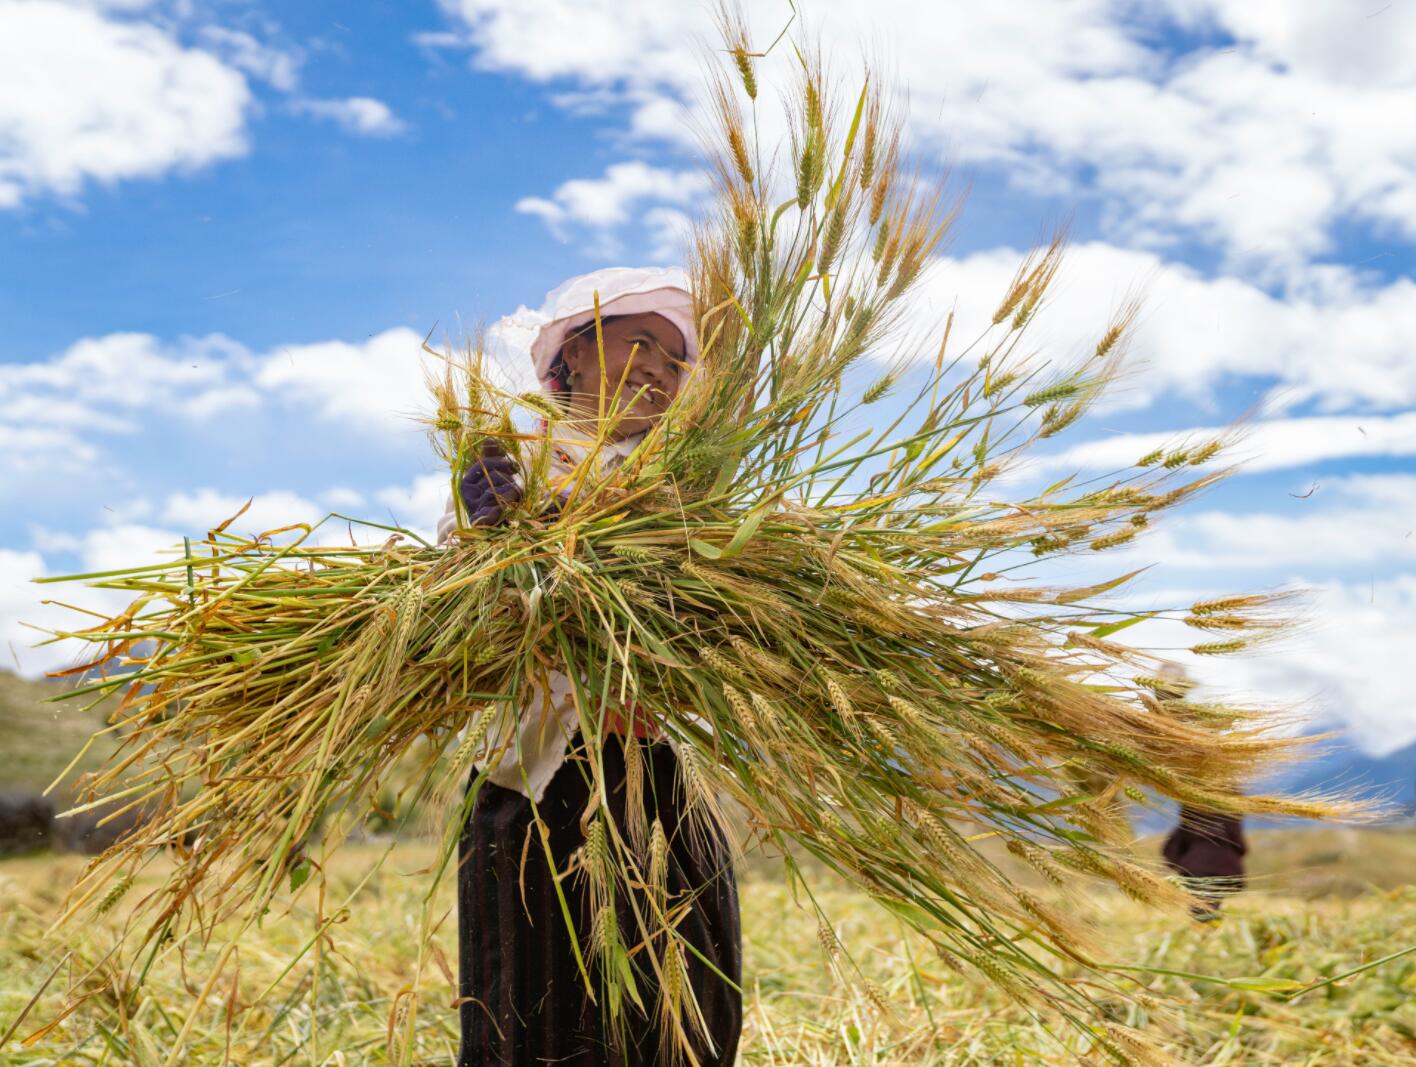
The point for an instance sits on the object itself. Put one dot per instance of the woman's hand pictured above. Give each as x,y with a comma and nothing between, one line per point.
489,486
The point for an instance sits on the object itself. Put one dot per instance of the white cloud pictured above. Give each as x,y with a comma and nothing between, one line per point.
1351,661
278,67
200,510
362,115
1350,550
129,383
1260,147
122,370
31,448
128,544
1338,339
218,401
438,39
121,546
129,510
1317,37
606,202
124,542
415,505
1270,444
342,498
1342,667
85,96
598,42
19,599
375,384
1337,667
418,505
51,409
669,231
107,90
56,410
1347,523
26,618
1339,342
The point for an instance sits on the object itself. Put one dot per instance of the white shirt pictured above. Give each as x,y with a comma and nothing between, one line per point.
541,727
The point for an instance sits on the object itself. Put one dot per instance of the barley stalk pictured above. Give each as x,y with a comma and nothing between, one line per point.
808,612
636,816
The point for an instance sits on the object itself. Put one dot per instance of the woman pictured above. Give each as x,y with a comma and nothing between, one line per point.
522,996
1206,848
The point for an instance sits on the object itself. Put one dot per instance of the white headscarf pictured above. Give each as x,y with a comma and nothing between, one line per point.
571,305
622,291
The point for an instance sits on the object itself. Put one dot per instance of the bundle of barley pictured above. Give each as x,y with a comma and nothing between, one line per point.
820,620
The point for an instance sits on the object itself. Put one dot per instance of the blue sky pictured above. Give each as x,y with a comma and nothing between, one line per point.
224,227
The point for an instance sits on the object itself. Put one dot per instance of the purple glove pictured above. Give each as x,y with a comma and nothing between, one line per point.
489,486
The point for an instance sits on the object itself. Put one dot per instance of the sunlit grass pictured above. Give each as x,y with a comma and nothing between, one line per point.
844,621
796,1012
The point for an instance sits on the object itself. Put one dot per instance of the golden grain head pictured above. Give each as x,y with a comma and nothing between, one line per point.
746,71
705,581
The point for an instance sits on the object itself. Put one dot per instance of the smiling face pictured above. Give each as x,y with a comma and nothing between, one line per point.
645,350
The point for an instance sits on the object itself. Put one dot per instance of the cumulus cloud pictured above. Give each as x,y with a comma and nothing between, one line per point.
127,544
1337,340
609,201
121,544
370,384
1342,342
1347,663
1351,522
117,372
125,541
1260,140
669,231
89,96
415,505
52,410
34,448
1341,667
203,509
278,67
362,115
1333,670
636,42
418,505
26,618
19,600
101,91
342,498
1265,445
1315,37
1260,143
1349,549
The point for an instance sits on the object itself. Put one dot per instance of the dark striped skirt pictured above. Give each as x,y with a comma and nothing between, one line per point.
522,996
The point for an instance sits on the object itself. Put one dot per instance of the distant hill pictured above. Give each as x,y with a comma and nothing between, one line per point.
1325,861
1391,777
38,739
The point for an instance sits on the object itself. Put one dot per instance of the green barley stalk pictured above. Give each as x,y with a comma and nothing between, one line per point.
810,612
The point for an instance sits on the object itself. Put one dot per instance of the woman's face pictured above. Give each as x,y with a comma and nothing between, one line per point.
644,350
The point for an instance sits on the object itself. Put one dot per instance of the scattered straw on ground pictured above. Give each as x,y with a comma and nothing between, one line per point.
796,1013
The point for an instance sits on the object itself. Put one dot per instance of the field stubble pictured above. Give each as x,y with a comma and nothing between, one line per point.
1325,902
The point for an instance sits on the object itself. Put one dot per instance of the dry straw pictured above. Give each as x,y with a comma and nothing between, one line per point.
810,610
